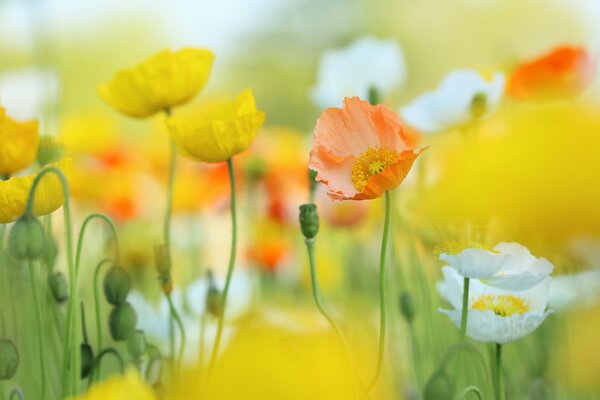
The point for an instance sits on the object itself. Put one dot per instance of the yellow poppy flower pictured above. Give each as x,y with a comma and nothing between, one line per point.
163,81
19,144
14,193
120,387
225,130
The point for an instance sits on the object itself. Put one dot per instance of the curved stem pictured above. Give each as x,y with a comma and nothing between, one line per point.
471,389
40,328
156,358
18,393
462,346
215,352
84,225
97,306
98,361
71,356
181,330
319,303
465,309
382,296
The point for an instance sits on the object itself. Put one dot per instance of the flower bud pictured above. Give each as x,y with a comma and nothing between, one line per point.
9,359
87,360
373,96
49,150
309,220
407,306
136,343
162,259
116,285
166,284
26,239
58,287
438,387
478,105
122,321
255,169
214,299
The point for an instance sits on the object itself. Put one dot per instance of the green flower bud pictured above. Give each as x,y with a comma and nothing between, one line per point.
478,105
9,359
407,306
162,259
438,387
87,360
309,220
121,321
214,299
49,150
116,285
136,343
58,287
26,239
255,169
373,95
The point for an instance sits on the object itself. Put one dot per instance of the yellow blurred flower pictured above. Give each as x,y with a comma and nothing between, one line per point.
163,81
129,386
14,193
224,130
19,144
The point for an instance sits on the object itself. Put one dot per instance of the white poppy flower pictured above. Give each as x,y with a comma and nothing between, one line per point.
509,266
495,315
352,71
461,94
581,289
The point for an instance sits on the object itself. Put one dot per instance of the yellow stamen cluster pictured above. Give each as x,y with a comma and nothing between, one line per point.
455,247
502,305
372,162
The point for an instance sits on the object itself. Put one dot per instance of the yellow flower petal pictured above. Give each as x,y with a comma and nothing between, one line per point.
161,82
129,386
14,193
19,144
225,130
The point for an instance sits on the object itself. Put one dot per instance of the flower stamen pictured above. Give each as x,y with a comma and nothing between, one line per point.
502,305
372,162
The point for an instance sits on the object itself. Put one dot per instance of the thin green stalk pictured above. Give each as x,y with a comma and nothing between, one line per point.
98,361
40,328
157,357
465,309
498,386
181,330
17,393
215,352
170,186
84,226
382,296
98,308
310,243
416,357
71,356
471,389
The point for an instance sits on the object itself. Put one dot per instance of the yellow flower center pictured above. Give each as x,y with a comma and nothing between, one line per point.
372,162
502,305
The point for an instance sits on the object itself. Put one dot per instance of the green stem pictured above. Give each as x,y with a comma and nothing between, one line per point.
181,330
465,309
40,328
98,361
471,389
170,186
498,386
89,219
215,352
416,357
382,296
98,308
157,357
310,243
71,356
18,393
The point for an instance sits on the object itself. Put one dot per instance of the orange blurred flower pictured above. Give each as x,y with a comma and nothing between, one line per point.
360,151
563,73
270,245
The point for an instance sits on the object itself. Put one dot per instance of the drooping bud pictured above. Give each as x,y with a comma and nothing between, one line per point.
478,105
116,285
9,359
58,287
162,259
166,284
309,220
255,169
122,321
214,299
49,150
438,387
136,343
26,239
87,360
407,306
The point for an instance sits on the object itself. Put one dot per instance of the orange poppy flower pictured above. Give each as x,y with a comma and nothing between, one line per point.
563,73
360,151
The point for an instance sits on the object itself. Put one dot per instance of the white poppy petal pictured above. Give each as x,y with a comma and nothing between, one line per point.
476,263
